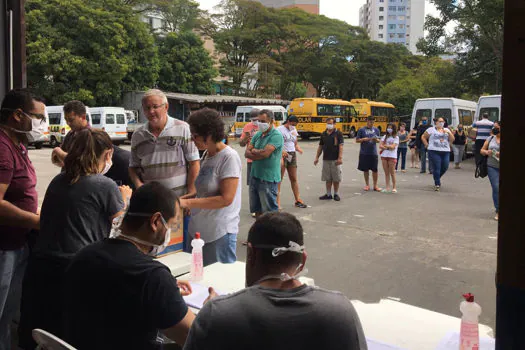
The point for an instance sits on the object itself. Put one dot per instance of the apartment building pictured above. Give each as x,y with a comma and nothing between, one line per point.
311,6
394,21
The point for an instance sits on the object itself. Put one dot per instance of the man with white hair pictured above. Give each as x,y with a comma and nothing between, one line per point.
162,150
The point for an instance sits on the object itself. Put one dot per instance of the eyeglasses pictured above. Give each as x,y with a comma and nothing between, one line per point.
154,107
38,116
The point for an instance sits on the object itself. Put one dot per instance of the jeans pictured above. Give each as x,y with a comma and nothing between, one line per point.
12,267
263,196
423,158
440,161
493,174
403,153
458,153
223,250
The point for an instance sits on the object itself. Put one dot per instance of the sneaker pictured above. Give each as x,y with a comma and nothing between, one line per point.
337,198
326,197
300,205
437,188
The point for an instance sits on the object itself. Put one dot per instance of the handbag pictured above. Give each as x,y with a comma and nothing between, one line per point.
481,168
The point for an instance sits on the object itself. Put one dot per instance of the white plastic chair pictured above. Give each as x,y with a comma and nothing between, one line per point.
47,341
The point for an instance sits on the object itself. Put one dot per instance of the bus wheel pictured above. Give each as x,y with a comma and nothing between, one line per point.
53,142
352,133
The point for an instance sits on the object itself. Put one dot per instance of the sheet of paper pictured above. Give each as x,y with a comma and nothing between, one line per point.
451,342
198,295
376,345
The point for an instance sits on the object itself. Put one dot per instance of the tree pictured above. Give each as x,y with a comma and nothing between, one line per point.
402,93
179,15
91,51
477,40
186,66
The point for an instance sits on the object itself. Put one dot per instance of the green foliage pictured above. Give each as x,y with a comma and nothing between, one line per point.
185,65
179,15
90,51
403,92
477,40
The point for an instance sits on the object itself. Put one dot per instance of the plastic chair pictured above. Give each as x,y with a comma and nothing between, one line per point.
47,341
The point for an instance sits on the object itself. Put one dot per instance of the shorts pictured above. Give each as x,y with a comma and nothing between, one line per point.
248,172
390,160
368,162
331,171
263,196
291,160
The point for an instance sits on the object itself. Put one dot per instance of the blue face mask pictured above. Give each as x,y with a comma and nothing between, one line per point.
424,122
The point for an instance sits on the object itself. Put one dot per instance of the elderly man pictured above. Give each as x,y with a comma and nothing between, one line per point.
21,113
116,296
276,311
265,150
162,150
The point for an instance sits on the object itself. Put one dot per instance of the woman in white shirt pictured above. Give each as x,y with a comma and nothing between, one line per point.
216,206
437,141
388,147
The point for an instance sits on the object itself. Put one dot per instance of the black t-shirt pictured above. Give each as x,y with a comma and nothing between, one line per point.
459,139
330,143
420,131
119,170
116,297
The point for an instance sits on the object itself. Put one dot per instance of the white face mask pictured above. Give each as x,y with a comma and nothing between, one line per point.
329,126
156,248
389,131
263,126
108,166
440,125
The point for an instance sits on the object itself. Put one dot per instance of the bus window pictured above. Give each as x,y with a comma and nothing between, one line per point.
240,117
444,113
278,116
492,111
331,110
466,117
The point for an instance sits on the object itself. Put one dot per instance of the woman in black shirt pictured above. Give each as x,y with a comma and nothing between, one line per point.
459,145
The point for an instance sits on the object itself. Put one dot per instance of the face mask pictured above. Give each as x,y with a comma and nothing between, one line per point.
35,125
495,131
156,248
440,125
424,122
107,167
263,126
460,129
329,126
389,131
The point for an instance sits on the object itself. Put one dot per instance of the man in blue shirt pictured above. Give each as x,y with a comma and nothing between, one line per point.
265,149
483,127
368,137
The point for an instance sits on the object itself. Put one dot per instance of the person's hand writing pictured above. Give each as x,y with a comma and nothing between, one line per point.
211,296
185,288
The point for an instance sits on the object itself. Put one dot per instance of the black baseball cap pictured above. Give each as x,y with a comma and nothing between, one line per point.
292,119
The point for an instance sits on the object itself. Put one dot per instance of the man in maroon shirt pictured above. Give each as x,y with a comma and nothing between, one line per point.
20,113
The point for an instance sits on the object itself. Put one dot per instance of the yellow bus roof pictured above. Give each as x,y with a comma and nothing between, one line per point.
371,103
323,100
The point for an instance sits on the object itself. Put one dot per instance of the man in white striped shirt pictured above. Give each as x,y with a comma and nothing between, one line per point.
484,127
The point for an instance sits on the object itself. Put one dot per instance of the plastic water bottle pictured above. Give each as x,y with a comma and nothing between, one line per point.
197,266
469,335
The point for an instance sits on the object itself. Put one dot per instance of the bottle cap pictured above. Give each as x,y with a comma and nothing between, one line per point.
469,297
197,235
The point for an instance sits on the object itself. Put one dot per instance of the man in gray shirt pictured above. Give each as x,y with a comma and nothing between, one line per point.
276,311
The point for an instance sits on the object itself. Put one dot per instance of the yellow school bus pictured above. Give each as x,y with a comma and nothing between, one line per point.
313,112
381,111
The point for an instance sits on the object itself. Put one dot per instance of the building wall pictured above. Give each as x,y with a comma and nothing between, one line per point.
311,6
417,23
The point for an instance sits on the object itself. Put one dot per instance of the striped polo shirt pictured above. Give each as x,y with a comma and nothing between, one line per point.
164,158
484,127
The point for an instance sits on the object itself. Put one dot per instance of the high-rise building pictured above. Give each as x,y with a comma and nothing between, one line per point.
311,6
394,21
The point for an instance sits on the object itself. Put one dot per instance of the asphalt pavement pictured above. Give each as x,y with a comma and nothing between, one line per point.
418,246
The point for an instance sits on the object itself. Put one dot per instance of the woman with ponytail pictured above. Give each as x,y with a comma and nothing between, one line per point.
79,206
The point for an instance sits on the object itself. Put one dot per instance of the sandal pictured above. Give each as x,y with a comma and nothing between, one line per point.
394,191
300,205
386,191
378,189
366,188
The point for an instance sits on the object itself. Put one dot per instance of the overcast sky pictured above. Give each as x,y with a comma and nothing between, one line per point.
346,10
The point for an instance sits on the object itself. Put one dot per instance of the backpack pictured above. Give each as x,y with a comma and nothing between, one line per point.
481,165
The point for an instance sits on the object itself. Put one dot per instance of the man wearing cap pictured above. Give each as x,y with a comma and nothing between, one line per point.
289,162
483,127
277,311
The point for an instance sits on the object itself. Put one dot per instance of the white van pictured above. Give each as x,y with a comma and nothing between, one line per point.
112,120
453,110
242,116
490,105
58,127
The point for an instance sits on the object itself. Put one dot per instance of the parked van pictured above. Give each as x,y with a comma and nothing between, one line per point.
242,116
58,127
112,120
453,110
490,105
